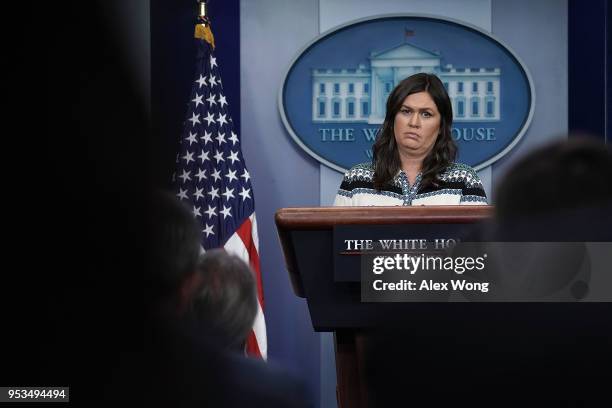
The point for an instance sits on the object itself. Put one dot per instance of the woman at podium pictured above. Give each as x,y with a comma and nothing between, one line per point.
413,155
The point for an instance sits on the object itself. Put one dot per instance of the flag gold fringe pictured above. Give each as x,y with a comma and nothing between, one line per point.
203,32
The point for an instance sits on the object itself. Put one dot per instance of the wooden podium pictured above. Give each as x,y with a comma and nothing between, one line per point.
306,236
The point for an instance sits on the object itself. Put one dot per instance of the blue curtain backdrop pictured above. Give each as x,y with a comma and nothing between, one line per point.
173,66
589,66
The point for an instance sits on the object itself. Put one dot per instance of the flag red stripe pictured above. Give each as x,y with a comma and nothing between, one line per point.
252,347
244,232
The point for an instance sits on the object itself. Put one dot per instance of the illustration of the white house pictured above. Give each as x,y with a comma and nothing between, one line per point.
359,94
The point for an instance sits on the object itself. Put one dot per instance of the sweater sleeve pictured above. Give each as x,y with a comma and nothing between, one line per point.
473,192
344,198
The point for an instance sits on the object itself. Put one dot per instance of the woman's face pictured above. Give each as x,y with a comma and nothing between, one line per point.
417,125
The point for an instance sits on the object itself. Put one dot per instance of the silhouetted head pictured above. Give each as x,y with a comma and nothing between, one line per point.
226,304
565,175
175,250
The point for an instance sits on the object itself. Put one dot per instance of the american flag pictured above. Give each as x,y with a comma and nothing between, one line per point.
213,180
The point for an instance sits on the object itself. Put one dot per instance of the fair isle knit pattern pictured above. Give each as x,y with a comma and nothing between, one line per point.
458,184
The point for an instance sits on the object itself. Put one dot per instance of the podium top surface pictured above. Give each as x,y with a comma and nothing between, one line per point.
327,217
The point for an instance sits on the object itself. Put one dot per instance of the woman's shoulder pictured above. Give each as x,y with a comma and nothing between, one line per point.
361,171
460,172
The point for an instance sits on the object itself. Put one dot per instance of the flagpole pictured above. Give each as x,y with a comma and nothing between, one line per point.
203,12
203,26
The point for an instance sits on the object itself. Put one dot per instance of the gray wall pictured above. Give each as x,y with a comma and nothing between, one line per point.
537,32
272,32
282,174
